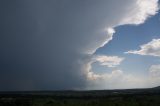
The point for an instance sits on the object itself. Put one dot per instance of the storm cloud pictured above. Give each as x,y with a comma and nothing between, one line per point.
48,44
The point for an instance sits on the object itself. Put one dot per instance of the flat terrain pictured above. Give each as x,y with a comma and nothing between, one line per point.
130,97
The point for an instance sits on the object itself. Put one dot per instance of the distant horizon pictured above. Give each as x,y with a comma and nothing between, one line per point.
72,90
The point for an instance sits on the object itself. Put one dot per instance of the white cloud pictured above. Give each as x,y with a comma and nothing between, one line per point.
151,48
143,10
109,32
109,61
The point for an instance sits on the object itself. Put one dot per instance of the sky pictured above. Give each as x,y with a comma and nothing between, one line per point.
79,44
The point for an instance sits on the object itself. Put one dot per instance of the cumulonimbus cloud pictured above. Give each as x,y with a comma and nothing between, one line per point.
50,44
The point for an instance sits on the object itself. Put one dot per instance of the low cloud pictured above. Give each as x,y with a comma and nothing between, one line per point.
116,79
151,48
109,61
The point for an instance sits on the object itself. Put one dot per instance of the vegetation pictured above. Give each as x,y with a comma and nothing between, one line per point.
90,98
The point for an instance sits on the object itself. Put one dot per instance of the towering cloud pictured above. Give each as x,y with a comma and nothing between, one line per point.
50,44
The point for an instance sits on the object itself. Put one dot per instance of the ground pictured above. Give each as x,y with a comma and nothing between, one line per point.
136,97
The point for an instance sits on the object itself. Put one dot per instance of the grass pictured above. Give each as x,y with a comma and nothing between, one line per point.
130,97
118,100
